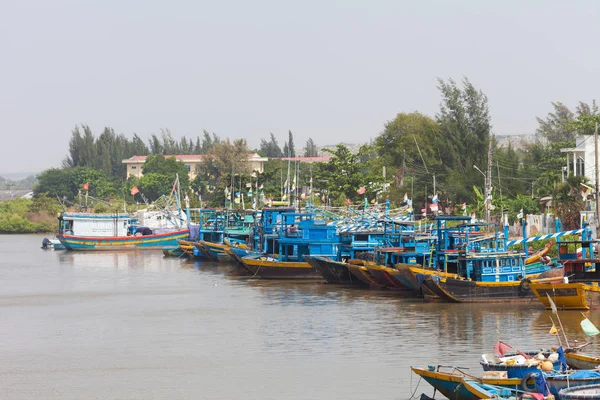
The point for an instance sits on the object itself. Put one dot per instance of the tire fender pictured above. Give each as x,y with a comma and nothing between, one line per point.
528,382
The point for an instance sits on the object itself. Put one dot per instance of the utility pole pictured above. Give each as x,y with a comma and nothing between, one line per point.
434,184
597,178
488,187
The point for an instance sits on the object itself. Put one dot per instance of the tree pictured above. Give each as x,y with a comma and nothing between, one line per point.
290,143
160,170
560,125
465,126
310,150
270,148
346,172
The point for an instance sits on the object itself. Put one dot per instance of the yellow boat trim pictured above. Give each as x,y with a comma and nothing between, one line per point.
257,262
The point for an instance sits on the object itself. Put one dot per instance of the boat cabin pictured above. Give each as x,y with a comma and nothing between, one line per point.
101,225
579,266
303,234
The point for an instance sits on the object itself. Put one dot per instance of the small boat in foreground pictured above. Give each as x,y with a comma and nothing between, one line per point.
451,384
557,381
588,392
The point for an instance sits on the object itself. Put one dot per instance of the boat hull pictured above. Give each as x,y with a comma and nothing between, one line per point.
215,251
268,268
568,296
90,243
451,384
466,291
556,384
588,392
334,272
582,361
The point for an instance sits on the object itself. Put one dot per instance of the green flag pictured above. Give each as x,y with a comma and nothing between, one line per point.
589,328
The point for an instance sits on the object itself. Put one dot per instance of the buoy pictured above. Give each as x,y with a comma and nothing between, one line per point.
547,366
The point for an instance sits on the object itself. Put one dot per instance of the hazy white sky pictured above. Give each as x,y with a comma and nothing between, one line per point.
330,70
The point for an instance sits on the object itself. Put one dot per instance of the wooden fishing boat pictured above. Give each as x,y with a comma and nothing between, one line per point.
359,271
495,278
178,252
581,291
334,272
490,362
568,296
153,241
588,392
267,267
383,276
412,276
212,250
187,246
576,360
451,384
481,390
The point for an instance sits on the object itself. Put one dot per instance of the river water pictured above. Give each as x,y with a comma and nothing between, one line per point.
136,325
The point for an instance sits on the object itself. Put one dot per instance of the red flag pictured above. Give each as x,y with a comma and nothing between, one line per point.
500,348
347,202
361,190
85,186
134,190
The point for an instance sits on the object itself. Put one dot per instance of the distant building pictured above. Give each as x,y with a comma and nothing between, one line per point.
581,159
135,163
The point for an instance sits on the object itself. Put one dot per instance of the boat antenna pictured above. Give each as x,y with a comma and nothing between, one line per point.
61,203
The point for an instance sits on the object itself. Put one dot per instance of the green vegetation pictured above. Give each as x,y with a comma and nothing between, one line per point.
28,216
411,154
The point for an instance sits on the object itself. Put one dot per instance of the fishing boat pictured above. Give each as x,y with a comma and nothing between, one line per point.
518,366
490,277
576,360
334,272
52,244
571,379
86,231
580,290
451,383
297,234
481,390
588,392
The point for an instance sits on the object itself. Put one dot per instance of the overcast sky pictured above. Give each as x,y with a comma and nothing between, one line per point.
331,70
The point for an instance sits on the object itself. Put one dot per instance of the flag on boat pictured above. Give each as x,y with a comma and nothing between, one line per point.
434,207
302,195
405,197
500,348
552,305
85,186
589,328
347,201
361,190
434,199
294,184
134,190
262,186
553,330
248,185
464,206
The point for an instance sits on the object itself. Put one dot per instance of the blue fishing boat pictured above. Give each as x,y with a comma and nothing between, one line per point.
558,381
284,242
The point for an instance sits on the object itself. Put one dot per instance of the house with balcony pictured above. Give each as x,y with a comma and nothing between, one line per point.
191,161
581,158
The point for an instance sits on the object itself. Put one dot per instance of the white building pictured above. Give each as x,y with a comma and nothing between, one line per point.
134,164
581,158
